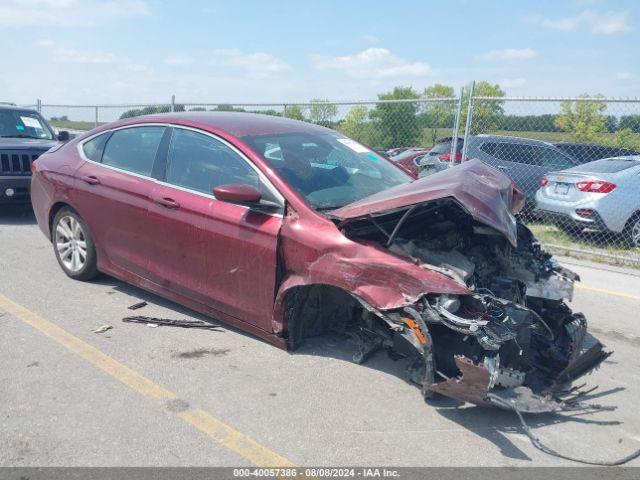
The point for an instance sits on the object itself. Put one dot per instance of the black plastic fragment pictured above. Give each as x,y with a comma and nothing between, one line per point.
173,323
138,305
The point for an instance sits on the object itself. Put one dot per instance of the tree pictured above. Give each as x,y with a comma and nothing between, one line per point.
356,125
295,112
225,107
322,112
487,114
439,114
584,119
625,138
396,124
630,121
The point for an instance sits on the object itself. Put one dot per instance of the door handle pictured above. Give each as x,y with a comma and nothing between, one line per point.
91,180
502,167
167,202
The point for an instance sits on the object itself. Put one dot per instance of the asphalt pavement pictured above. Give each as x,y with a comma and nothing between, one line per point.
141,396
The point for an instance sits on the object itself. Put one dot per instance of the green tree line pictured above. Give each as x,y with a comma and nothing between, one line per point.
387,125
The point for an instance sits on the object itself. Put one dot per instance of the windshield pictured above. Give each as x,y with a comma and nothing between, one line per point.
328,169
23,124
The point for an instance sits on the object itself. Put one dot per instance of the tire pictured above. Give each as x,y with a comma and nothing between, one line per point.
632,231
73,246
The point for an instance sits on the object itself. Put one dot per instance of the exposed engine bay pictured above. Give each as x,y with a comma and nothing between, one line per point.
512,340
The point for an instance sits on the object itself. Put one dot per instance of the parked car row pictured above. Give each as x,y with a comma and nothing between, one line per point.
574,185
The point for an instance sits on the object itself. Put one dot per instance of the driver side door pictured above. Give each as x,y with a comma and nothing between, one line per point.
219,254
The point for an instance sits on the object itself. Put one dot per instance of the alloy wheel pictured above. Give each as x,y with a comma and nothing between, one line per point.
71,243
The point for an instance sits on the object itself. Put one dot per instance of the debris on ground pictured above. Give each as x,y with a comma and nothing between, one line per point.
201,352
173,323
103,328
535,441
138,305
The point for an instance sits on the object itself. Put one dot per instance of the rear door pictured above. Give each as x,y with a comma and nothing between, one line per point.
217,253
113,189
520,161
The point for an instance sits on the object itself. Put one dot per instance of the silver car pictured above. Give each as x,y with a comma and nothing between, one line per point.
602,195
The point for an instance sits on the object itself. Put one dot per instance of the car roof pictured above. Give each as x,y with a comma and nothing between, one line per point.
238,124
511,139
16,108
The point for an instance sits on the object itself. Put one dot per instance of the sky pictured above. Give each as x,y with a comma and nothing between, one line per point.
128,51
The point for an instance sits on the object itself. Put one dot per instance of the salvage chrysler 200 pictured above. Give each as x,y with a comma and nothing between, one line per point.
289,230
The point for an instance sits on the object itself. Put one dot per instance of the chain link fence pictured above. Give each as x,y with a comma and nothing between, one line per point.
573,158
590,209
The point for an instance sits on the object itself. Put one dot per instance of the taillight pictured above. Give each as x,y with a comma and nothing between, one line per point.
544,181
447,157
595,186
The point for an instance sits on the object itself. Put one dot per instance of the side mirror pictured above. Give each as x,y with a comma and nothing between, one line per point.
238,193
63,136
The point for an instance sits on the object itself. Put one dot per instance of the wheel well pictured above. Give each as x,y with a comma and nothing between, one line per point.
634,216
311,310
52,214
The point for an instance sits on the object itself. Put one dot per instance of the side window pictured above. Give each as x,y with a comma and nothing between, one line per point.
489,148
94,147
530,154
201,163
555,160
133,149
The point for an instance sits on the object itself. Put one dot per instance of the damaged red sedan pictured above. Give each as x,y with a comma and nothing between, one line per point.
289,230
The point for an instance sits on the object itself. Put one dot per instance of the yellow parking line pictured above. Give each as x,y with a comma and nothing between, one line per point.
608,292
219,431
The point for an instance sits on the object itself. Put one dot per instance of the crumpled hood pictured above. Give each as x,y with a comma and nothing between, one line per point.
10,143
488,195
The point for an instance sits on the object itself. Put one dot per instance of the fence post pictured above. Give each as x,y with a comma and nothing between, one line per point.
173,103
467,127
456,128
96,121
39,105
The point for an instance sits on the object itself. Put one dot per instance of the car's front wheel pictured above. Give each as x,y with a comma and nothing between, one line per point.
73,245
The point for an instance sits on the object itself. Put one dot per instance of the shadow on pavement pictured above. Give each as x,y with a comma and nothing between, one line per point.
490,424
20,214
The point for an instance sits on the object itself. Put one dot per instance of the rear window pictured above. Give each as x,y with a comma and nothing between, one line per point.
93,148
608,165
133,149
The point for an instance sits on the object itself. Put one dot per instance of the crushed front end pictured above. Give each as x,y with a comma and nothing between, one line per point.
512,342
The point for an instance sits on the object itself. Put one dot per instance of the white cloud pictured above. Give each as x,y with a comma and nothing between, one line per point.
512,82
373,63
370,38
70,55
45,43
610,22
177,60
68,13
625,75
508,54
604,23
256,64
62,54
